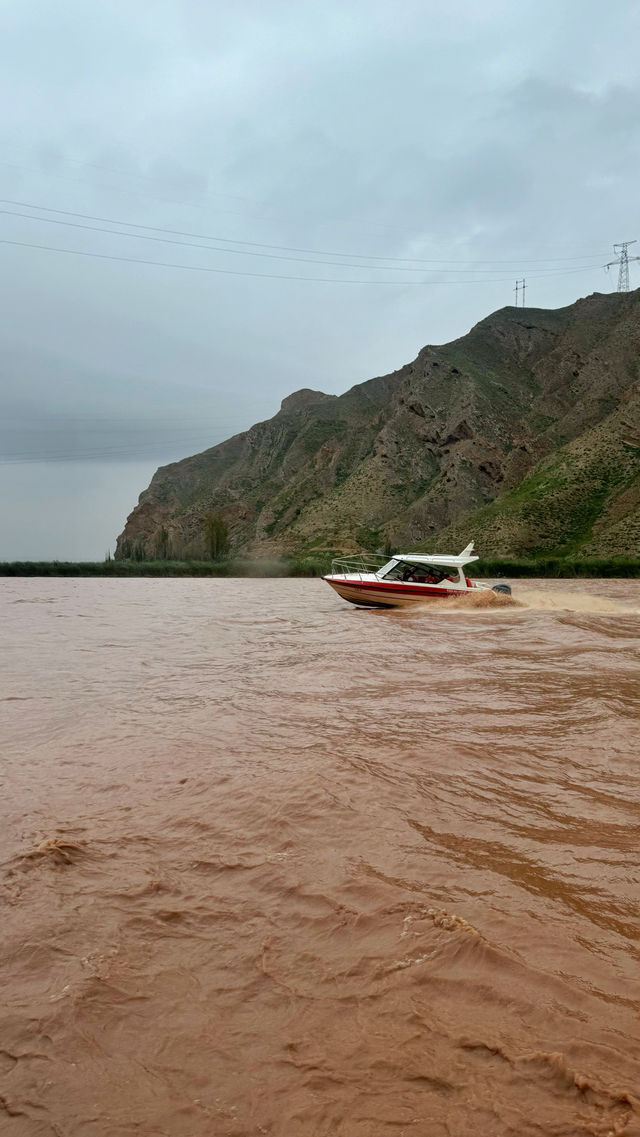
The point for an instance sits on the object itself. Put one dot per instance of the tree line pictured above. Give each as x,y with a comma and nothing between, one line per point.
213,542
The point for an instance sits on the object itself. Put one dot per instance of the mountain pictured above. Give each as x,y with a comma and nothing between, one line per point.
523,435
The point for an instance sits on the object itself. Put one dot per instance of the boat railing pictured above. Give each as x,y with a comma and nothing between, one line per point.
358,564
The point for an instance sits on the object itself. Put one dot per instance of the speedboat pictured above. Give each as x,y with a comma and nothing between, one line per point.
407,578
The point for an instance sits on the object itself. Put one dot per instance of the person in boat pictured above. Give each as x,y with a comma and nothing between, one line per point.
414,575
420,575
435,576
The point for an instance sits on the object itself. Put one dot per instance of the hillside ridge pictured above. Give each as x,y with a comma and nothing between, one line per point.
513,434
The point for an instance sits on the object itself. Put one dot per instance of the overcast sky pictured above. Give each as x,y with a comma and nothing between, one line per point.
366,177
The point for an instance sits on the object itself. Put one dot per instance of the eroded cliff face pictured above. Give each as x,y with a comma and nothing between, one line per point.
404,458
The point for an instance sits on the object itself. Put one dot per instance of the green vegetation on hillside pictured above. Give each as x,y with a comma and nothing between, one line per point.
582,500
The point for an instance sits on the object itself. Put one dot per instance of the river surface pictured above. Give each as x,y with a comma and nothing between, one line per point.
275,865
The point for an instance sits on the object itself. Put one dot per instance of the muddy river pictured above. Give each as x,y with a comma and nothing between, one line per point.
275,865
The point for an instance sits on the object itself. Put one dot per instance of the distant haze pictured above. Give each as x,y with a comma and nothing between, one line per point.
445,150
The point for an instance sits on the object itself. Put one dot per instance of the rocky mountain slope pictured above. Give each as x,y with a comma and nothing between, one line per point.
523,434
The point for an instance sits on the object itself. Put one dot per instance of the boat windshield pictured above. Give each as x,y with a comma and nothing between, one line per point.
421,573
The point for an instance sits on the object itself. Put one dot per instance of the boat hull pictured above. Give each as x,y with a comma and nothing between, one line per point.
388,594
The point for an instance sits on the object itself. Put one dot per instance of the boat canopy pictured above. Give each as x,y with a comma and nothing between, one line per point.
463,558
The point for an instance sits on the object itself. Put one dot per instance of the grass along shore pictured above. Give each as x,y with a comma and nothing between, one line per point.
314,566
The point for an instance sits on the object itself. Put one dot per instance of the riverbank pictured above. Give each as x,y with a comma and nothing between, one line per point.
559,567
233,566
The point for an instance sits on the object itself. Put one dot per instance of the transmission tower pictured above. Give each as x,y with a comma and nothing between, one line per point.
623,264
521,286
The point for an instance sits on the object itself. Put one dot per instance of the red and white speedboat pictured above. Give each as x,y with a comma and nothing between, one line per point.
407,578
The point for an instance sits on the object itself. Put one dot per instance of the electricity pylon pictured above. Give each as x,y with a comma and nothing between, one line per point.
623,264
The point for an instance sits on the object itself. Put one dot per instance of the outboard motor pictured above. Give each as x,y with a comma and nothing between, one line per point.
505,588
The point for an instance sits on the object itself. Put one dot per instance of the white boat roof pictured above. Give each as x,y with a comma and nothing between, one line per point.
463,558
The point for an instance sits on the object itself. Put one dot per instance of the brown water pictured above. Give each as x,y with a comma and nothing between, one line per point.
276,865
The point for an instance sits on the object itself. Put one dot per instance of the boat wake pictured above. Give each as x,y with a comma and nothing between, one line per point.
566,601
469,601
483,599
531,599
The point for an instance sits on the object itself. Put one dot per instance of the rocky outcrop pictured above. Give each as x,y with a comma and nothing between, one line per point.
451,442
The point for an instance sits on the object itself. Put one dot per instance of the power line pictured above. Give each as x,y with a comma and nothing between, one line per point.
237,197
272,275
212,249
283,248
171,200
204,268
